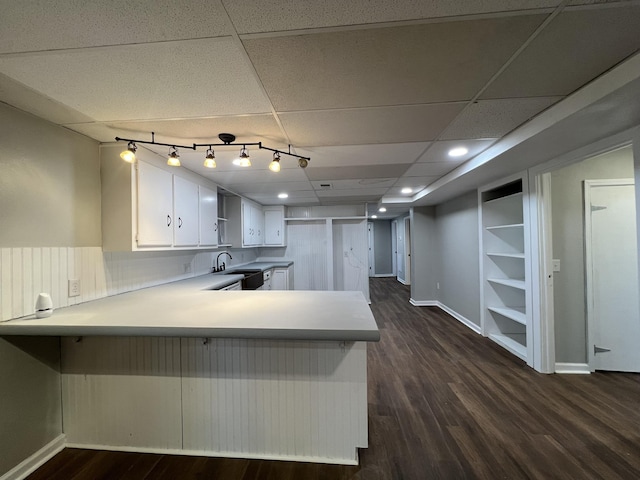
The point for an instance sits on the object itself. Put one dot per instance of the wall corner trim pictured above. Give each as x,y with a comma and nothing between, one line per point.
423,303
573,368
35,461
464,320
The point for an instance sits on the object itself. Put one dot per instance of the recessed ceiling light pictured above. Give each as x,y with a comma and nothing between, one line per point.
283,195
382,209
374,216
406,190
458,151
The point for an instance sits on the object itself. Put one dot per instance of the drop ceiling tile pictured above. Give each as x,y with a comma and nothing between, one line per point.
273,186
135,82
249,175
292,200
429,63
343,173
349,200
380,125
576,47
431,169
496,118
415,183
69,24
355,184
26,99
250,16
360,192
439,151
247,128
380,154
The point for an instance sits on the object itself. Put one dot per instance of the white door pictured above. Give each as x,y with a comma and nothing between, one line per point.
400,252
372,258
612,275
208,217
394,248
155,206
185,209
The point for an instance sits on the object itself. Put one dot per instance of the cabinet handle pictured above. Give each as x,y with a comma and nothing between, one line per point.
179,222
215,227
168,220
277,233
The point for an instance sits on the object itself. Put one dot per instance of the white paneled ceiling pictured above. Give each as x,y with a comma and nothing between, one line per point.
374,92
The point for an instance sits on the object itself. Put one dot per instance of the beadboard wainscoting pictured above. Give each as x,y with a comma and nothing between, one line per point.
26,272
304,401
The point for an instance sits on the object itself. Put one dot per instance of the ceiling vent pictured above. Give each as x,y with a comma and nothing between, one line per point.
326,186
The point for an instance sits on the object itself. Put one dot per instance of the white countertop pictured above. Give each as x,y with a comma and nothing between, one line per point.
189,308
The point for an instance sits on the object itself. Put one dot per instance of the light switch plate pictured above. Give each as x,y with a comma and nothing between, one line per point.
74,288
556,264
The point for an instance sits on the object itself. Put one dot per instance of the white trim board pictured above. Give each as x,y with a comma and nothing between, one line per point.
434,303
384,275
35,461
572,368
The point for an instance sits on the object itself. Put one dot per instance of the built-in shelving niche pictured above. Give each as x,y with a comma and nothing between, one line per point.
505,266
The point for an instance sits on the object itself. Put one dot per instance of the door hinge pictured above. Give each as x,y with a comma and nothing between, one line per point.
597,350
595,208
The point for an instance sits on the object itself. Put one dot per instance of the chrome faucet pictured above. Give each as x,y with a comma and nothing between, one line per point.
219,268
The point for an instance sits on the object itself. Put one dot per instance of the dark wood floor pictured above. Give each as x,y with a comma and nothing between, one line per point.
444,403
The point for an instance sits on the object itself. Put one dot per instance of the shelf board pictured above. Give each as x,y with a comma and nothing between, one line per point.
225,245
305,219
514,342
509,282
508,255
513,313
511,225
506,197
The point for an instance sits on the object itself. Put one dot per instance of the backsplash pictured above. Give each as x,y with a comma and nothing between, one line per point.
26,272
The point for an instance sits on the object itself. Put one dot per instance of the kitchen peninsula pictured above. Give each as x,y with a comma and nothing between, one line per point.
180,368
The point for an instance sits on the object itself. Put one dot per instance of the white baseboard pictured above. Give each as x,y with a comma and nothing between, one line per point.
35,461
404,282
201,453
573,368
384,275
423,303
464,320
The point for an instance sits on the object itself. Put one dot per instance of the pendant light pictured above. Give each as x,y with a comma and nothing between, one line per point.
173,159
129,155
274,166
210,159
243,160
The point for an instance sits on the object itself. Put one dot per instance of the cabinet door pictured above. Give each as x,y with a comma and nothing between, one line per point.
155,206
257,219
208,216
185,205
274,227
280,279
247,227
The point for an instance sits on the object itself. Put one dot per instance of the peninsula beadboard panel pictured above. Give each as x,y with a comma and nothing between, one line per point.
304,401
26,272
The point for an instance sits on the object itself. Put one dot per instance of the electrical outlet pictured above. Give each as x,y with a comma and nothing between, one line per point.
74,288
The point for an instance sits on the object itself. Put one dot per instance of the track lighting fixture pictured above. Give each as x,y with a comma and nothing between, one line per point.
210,159
173,160
243,159
227,140
274,166
129,155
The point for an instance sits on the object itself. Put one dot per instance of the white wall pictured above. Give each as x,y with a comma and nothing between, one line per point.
568,246
424,254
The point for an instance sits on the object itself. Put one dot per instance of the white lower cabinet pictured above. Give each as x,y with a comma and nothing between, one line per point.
282,279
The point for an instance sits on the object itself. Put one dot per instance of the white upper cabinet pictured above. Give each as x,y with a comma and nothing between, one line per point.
149,206
246,222
155,206
185,207
208,216
274,230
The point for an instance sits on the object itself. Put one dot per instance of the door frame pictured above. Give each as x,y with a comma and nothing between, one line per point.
394,248
588,257
539,205
407,250
371,252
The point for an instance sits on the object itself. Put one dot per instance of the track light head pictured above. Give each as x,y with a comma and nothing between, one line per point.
173,159
210,159
274,166
243,160
303,162
129,155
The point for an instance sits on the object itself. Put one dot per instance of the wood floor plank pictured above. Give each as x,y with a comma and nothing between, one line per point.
444,403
